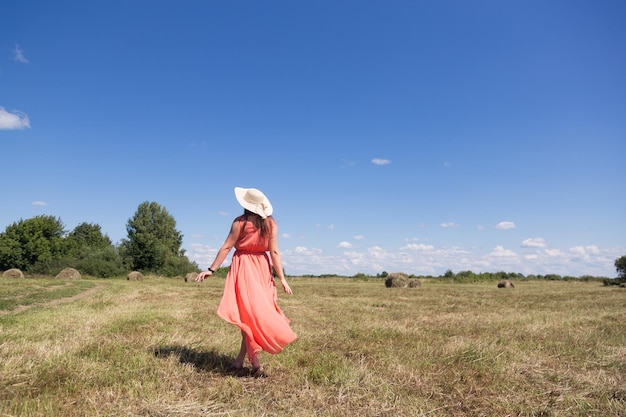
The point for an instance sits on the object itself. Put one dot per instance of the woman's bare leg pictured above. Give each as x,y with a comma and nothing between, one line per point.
242,352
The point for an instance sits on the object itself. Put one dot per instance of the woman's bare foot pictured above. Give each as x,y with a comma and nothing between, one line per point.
257,368
259,372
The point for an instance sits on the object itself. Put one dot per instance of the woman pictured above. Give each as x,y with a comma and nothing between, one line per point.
249,299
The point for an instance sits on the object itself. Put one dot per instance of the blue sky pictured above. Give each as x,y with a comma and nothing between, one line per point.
413,136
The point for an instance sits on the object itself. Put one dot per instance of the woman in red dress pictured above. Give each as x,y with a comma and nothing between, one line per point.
249,299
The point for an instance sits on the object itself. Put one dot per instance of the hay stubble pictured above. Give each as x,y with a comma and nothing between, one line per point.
157,348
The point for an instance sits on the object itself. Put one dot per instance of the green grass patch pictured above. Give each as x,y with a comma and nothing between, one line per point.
14,293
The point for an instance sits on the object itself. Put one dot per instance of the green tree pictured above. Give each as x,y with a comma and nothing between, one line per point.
620,266
87,235
31,242
153,243
92,253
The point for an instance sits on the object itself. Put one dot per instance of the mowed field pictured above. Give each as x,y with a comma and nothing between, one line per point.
156,348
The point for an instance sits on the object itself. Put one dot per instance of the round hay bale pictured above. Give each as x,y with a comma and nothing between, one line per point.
622,285
134,276
13,273
414,283
68,273
190,276
505,283
397,280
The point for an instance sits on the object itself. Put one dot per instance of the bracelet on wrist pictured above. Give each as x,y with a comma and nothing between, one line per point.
212,271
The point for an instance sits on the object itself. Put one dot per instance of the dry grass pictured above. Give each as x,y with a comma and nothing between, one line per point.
156,348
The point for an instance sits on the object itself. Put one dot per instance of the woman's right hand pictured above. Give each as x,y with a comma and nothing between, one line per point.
203,275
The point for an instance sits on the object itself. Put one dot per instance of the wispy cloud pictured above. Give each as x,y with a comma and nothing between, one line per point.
40,203
379,161
536,242
13,121
18,55
346,163
344,245
449,224
505,225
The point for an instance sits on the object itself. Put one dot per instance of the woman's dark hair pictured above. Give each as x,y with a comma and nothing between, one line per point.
258,221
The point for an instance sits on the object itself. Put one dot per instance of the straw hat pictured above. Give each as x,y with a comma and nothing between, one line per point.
254,200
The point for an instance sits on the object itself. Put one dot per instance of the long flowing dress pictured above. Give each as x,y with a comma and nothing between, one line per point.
249,299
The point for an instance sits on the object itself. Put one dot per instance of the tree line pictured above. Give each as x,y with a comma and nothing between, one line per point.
42,245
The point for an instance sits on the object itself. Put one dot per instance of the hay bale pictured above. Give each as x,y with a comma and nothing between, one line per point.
190,276
134,276
505,283
13,273
414,283
397,280
622,285
69,273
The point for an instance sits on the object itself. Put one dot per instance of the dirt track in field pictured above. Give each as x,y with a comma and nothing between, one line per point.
58,301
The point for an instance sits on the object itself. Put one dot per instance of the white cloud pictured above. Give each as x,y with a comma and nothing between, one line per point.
18,55
536,242
505,225
359,237
286,236
500,252
379,161
415,257
40,203
448,225
554,252
306,251
584,252
202,254
13,121
415,246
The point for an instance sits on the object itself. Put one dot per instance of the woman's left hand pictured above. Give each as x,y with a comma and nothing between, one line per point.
286,286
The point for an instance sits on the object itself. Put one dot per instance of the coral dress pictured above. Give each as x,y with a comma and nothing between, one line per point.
249,299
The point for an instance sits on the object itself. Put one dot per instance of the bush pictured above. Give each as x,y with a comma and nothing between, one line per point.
177,266
102,263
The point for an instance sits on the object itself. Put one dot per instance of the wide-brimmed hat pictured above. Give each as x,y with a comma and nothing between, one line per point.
254,200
